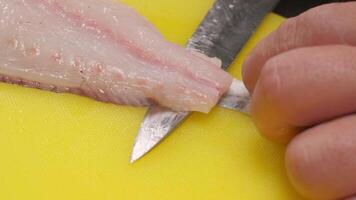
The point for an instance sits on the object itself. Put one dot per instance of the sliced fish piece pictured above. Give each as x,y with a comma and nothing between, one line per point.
106,51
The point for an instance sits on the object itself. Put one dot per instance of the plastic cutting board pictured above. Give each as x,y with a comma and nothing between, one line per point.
62,146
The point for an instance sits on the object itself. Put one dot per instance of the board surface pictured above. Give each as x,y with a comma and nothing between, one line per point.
62,146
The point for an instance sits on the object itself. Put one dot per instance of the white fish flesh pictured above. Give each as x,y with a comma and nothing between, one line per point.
106,51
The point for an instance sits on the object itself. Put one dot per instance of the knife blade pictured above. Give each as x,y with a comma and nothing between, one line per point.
222,34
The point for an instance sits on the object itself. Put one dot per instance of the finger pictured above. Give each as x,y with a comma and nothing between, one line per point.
303,87
324,25
321,161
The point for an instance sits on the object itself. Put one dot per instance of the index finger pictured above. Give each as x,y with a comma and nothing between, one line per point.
323,25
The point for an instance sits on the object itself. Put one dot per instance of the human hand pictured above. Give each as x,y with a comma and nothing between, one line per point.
303,84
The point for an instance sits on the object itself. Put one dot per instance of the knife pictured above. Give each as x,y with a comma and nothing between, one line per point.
222,34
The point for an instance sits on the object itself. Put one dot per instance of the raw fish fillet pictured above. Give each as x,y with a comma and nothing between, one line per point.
103,50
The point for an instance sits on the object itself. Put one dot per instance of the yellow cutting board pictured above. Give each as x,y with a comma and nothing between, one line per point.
67,147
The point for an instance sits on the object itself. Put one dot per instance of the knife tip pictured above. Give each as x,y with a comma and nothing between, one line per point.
132,160
134,157
140,149
158,123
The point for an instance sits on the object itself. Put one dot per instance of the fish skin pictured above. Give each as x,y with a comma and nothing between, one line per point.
106,51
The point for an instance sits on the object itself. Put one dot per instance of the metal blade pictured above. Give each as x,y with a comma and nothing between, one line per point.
158,122
236,98
223,32
228,26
